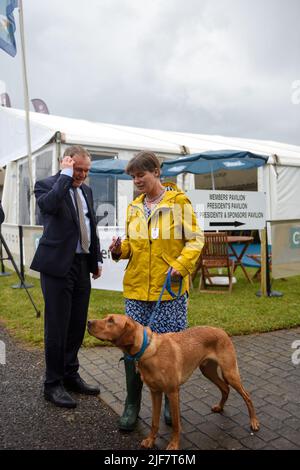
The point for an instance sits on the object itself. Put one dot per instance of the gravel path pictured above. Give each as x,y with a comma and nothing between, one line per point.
27,421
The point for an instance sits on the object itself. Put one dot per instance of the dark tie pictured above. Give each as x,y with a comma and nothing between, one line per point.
84,240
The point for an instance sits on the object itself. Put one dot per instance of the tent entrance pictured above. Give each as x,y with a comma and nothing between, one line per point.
104,193
237,180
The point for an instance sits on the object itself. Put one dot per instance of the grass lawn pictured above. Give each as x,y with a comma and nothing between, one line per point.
239,313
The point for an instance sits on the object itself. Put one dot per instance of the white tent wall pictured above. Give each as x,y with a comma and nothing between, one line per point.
268,184
16,187
279,178
125,193
287,191
281,184
10,191
46,163
188,182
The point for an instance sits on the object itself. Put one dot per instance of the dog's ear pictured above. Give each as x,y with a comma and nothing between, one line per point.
127,336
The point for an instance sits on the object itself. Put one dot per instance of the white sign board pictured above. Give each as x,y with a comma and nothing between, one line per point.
10,233
229,210
112,272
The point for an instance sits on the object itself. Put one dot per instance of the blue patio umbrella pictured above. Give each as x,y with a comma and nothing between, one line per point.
110,167
113,167
198,163
212,161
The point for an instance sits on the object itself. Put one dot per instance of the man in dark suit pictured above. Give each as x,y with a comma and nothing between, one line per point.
68,252
2,216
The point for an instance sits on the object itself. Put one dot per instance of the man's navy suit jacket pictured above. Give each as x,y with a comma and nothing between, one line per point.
1,214
57,246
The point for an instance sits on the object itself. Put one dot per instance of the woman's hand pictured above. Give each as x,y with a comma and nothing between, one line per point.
115,246
175,275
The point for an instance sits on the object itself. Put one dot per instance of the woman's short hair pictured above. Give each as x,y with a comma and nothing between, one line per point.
143,161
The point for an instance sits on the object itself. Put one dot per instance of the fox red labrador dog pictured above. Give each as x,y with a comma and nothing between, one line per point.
170,359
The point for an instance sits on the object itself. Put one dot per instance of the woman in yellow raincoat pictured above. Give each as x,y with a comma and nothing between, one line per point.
162,235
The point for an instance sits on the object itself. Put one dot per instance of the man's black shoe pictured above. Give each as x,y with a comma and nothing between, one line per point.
59,396
77,384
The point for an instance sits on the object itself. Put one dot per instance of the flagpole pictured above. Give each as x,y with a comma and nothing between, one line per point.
26,106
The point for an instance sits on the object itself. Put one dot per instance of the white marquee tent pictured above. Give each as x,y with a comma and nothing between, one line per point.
280,178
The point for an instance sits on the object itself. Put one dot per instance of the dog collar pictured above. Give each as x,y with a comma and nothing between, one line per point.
139,354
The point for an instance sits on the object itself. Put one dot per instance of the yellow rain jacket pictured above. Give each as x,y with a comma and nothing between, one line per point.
170,237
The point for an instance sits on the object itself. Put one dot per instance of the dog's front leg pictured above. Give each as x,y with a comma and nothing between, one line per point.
175,414
156,398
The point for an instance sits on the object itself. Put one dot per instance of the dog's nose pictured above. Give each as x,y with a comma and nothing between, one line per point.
89,323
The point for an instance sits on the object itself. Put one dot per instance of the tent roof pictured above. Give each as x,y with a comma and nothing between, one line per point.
78,131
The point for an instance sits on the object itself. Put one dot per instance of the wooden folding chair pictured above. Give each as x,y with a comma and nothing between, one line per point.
193,276
215,255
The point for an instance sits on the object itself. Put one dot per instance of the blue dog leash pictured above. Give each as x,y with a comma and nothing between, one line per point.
167,287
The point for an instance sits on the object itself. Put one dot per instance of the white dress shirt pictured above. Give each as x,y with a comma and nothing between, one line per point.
69,172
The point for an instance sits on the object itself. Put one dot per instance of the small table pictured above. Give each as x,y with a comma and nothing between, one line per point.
238,257
257,259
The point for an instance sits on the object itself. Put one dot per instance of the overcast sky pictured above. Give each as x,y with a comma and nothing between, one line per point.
207,66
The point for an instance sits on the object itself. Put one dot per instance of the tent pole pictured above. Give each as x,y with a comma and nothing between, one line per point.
263,257
212,178
26,106
57,151
116,200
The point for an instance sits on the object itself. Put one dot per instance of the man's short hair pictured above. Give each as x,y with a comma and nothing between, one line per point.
76,150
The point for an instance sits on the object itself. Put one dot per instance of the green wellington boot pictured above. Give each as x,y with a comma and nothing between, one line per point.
167,413
134,386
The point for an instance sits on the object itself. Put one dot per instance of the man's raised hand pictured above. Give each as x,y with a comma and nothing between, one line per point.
67,162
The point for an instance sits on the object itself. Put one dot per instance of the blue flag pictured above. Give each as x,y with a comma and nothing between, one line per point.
7,26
